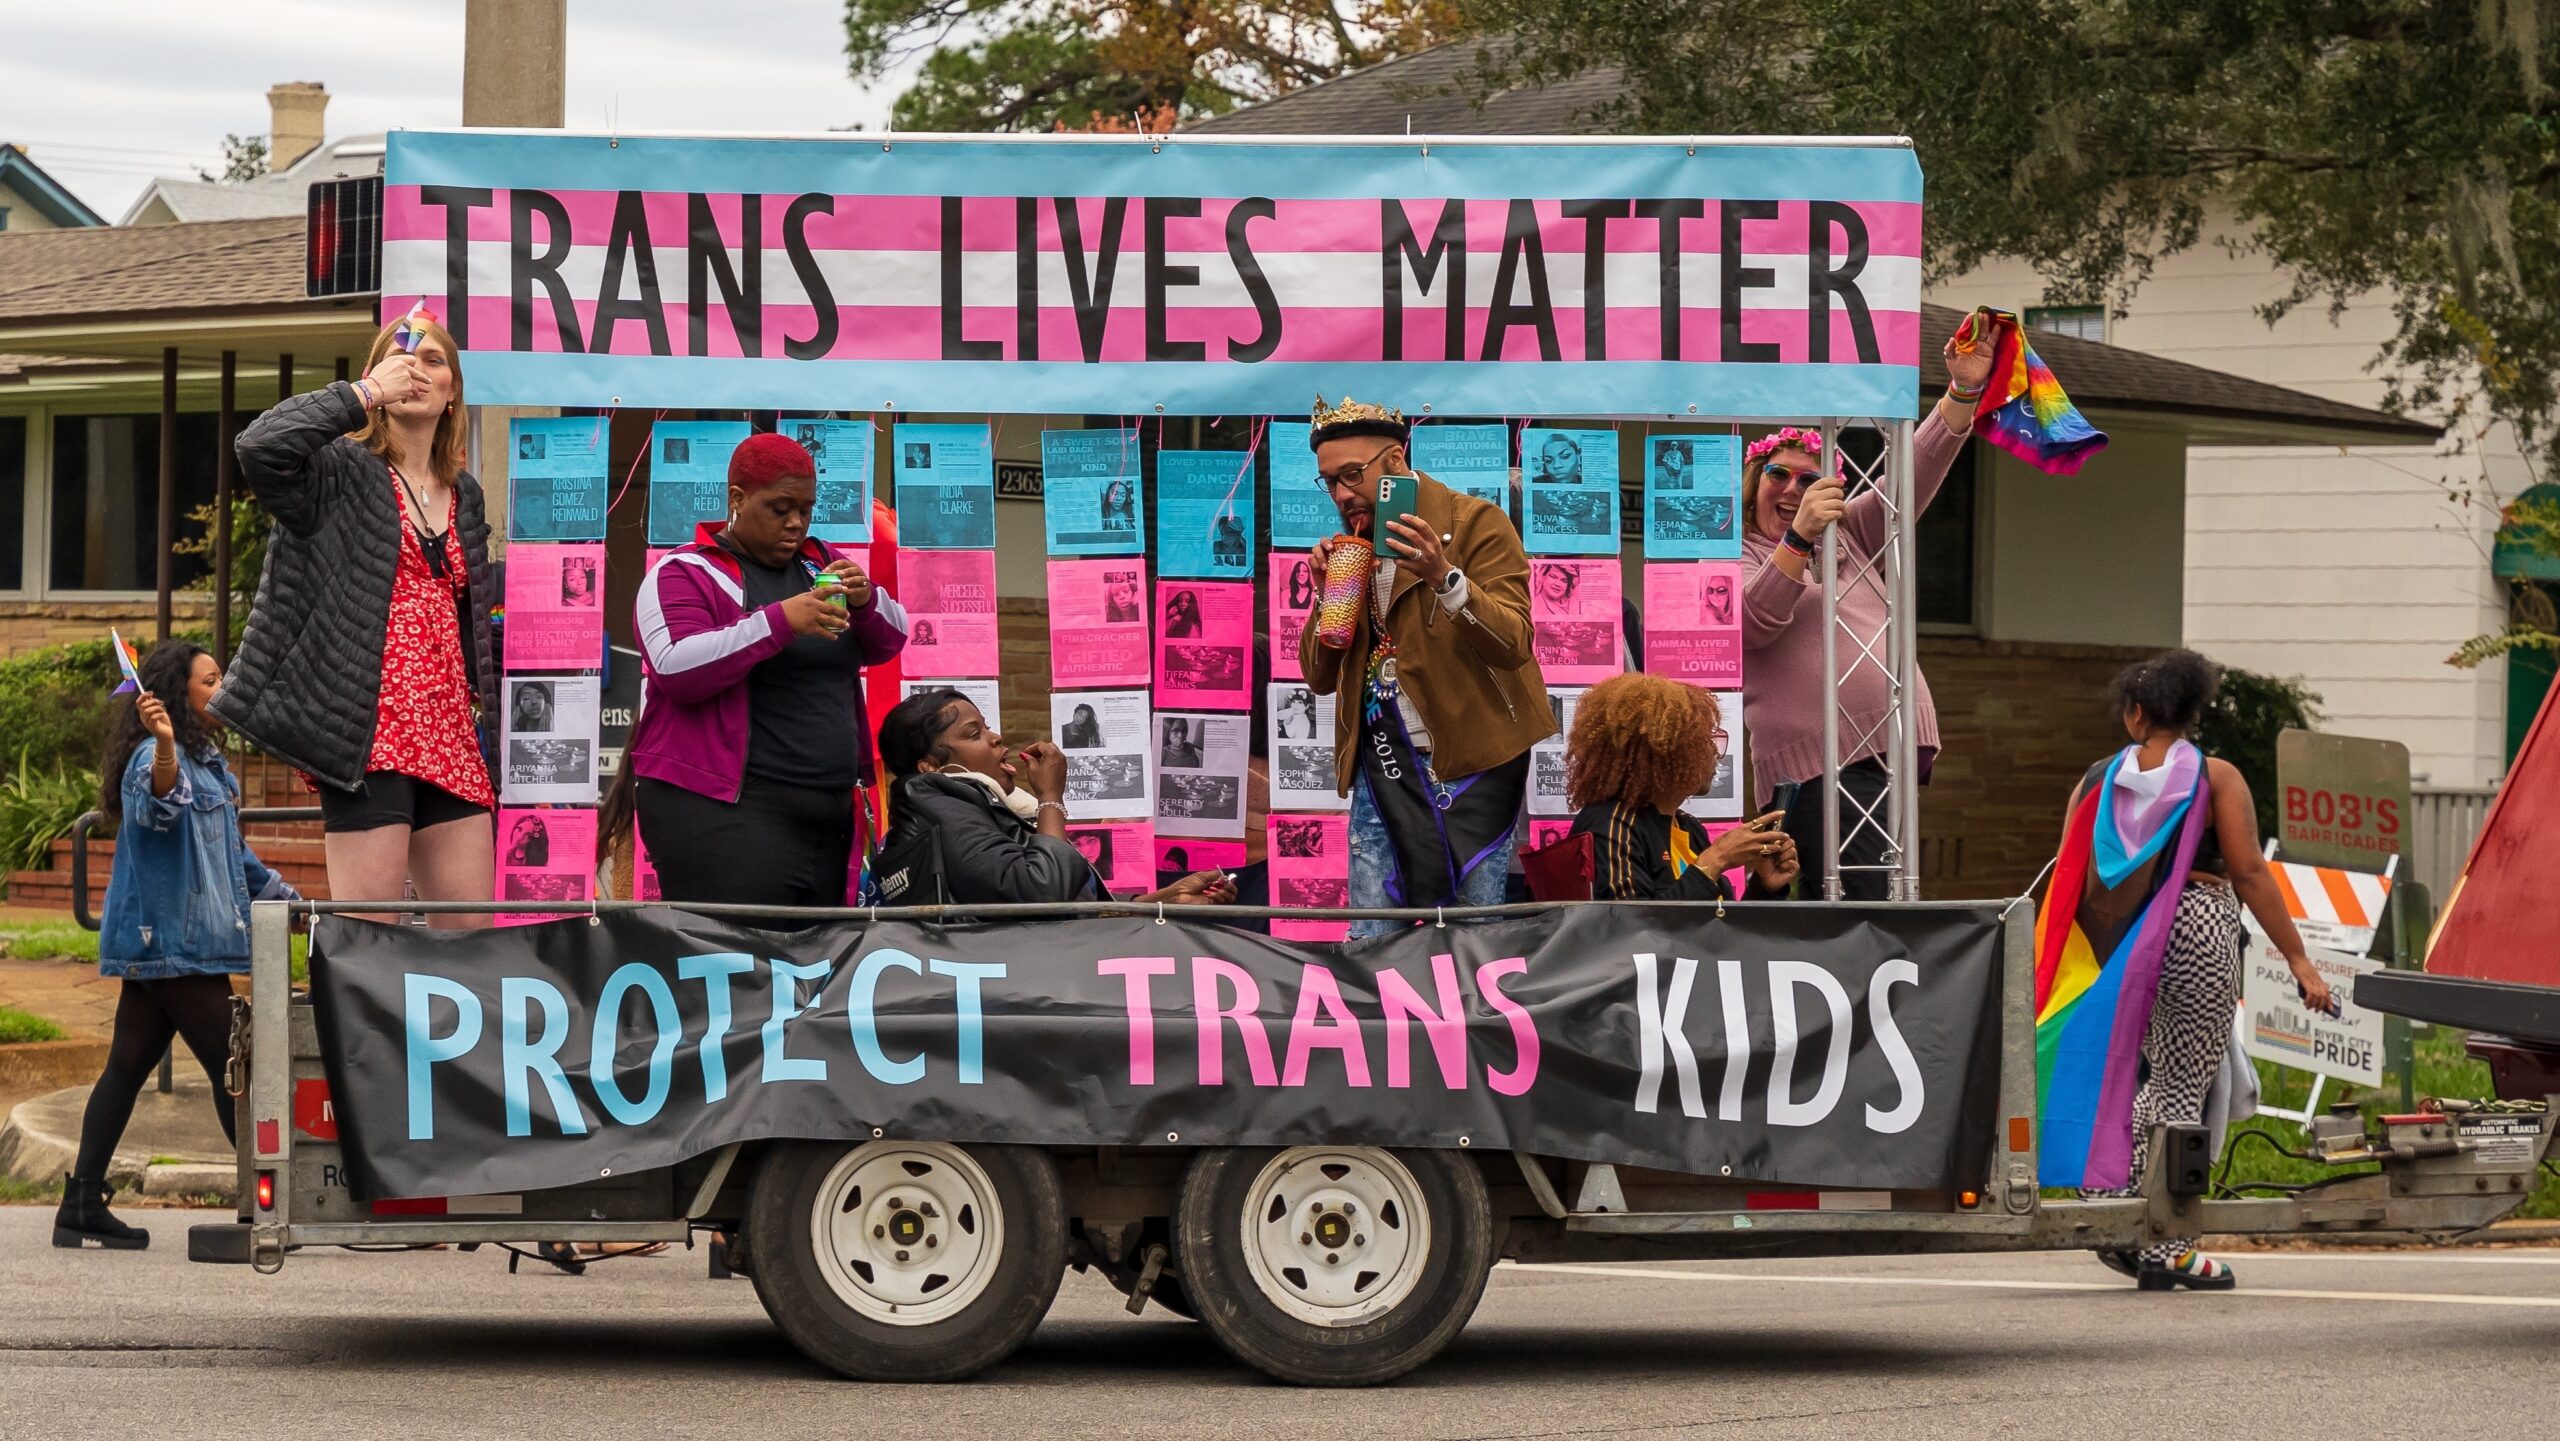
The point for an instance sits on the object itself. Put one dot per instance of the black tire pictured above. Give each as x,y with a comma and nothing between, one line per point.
1021,1278
1210,1230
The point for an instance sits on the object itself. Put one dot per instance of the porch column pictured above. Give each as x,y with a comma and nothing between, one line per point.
226,470
168,484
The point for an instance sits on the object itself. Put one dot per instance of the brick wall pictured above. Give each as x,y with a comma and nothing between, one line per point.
2018,723
27,625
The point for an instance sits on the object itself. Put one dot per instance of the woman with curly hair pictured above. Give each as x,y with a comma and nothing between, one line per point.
1641,745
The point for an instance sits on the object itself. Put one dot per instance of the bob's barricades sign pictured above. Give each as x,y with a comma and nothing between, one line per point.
2277,1027
1199,276
2344,800
1803,1044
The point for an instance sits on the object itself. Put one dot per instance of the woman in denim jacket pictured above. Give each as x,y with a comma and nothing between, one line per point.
177,921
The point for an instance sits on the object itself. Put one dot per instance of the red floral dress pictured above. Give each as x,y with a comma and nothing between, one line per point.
423,726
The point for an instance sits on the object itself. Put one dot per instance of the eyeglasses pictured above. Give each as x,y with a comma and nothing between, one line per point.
1350,475
1720,738
1785,475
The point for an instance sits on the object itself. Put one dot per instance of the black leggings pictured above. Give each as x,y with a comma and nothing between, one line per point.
778,845
148,1013
1862,841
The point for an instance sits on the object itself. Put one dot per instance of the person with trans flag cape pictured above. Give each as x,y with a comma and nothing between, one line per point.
2023,410
2138,950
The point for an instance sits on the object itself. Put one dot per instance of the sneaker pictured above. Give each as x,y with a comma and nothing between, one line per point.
2190,1268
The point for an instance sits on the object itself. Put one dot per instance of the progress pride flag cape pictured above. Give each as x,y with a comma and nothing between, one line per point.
2099,945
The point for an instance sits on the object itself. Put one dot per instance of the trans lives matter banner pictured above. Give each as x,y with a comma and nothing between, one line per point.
1199,275
1795,1044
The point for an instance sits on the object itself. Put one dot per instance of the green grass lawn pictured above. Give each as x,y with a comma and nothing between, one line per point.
16,1025
49,940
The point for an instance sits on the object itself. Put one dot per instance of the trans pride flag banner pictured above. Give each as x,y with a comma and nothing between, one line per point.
1078,274
2099,943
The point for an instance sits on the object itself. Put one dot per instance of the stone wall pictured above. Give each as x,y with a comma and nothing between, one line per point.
27,625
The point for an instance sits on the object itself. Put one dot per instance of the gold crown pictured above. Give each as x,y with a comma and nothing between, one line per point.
1352,410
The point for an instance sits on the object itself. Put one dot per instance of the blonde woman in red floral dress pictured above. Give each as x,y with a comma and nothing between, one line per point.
368,662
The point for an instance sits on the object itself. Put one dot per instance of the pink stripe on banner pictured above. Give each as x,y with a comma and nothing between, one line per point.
914,332
914,222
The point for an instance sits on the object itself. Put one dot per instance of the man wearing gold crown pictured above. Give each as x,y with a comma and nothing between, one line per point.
1438,698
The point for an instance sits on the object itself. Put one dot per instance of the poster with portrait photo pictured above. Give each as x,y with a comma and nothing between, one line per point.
1692,496
1091,498
950,596
1722,799
841,450
980,691
1123,851
1200,769
1098,625
1546,758
1109,740
1204,641
1300,749
545,856
1179,856
1295,588
1569,484
548,739
1693,622
946,489
555,607
1575,618
556,478
1310,859
1204,514
689,475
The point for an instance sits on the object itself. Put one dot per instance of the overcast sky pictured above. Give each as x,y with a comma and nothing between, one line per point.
107,95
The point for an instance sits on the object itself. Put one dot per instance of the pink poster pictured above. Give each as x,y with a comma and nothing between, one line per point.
1545,831
555,607
1574,610
1310,866
1293,597
1693,622
1181,855
1204,640
950,596
1124,851
644,872
1736,878
546,856
1097,623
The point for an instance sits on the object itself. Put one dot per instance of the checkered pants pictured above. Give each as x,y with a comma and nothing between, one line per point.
2190,1024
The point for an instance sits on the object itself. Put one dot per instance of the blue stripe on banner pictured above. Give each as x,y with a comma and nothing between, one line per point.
870,164
1649,388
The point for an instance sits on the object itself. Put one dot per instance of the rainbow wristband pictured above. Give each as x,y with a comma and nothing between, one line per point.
1797,543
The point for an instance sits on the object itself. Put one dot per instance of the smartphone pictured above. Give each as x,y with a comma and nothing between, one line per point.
1782,797
1395,501
1774,818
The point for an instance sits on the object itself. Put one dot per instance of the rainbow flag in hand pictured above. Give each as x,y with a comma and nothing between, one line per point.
127,662
2023,410
2099,943
408,332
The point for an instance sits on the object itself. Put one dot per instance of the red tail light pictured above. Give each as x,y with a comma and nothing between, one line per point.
266,1190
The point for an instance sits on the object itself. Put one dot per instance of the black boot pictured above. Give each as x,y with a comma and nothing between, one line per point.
84,1217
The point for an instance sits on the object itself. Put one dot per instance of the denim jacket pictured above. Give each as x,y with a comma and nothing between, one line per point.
178,902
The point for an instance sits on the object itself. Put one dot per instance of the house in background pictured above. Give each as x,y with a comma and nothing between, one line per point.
2342,560
298,154
30,199
2034,589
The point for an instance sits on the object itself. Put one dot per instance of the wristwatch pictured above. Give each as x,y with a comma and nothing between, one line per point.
1449,582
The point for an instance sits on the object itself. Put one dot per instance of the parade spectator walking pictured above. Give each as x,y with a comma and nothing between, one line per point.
176,927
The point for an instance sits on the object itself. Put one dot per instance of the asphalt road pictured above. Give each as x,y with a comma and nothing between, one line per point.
2321,1345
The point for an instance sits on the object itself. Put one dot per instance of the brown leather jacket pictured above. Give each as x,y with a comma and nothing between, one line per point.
1472,675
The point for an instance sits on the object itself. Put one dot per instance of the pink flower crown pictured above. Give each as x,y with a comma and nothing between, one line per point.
1793,437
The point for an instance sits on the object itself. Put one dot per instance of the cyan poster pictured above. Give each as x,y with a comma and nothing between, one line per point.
1475,459
842,449
1570,480
1089,492
689,475
1204,514
1692,497
1302,512
556,477
946,487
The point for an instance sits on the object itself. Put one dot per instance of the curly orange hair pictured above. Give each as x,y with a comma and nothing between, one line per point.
1641,739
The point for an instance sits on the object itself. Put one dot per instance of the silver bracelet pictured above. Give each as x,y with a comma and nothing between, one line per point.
1052,806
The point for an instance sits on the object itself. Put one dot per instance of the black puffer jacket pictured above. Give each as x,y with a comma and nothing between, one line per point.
308,678
989,856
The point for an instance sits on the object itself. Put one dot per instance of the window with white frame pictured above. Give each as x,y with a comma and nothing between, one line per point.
104,533
2080,322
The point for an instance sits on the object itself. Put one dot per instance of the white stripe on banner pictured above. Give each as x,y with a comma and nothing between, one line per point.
1298,279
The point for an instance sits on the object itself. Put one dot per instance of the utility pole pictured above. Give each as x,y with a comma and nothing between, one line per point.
515,63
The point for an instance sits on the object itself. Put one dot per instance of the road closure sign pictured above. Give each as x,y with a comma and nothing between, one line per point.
2276,1026
2342,800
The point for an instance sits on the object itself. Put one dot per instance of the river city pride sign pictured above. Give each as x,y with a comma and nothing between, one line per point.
1165,274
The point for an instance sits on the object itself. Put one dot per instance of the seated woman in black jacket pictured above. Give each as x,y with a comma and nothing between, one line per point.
1001,841
1641,745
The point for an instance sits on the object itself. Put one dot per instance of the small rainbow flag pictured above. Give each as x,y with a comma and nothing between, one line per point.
407,333
2099,944
2023,410
127,662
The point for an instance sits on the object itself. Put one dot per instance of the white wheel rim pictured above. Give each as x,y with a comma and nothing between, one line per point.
1335,1236
907,1232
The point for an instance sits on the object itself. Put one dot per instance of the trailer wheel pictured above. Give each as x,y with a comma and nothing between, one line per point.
907,1260
1334,1265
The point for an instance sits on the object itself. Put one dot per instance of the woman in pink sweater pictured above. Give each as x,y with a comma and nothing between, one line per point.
1791,495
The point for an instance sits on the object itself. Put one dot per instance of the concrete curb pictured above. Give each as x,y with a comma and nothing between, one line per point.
42,1139
51,1065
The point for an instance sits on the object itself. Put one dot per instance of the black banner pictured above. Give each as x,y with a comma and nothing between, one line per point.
502,1060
